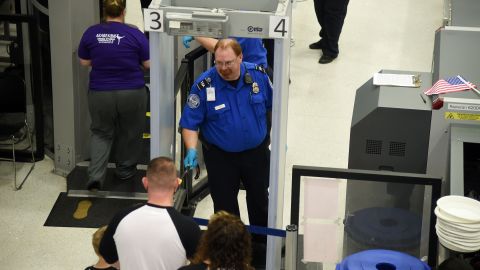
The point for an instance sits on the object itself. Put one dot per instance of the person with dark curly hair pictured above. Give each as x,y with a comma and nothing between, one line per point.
225,245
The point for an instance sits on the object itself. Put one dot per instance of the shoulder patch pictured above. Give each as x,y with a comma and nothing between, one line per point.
203,83
193,101
260,68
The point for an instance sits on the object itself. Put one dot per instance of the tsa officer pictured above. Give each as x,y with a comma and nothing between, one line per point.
229,106
253,50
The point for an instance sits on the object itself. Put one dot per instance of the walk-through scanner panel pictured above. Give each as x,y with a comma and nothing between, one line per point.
165,19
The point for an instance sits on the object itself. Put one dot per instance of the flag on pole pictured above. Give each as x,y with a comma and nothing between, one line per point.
453,84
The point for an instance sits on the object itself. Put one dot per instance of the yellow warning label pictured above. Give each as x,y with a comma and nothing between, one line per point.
147,114
146,135
462,116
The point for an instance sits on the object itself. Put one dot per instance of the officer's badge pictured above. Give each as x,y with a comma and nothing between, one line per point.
193,101
255,88
203,83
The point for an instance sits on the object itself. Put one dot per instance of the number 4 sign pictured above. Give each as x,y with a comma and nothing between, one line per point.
279,27
153,20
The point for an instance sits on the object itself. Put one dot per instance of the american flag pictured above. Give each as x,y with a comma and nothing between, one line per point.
453,84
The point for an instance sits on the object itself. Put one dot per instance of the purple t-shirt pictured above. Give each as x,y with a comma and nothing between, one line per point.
116,51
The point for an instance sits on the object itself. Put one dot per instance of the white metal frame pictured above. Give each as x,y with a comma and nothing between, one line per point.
162,48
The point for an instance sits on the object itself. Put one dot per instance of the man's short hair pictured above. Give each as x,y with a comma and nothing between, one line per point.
161,172
228,42
96,238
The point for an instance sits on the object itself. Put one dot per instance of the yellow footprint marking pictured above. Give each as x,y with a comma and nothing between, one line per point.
82,209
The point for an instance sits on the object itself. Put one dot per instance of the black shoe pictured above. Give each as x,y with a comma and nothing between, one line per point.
94,185
316,45
325,59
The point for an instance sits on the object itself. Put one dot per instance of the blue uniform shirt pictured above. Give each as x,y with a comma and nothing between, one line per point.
237,119
253,50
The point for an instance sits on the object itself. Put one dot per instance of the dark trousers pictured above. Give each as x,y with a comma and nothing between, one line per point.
269,45
330,16
227,169
121,114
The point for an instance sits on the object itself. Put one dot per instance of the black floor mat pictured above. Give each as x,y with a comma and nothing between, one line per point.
78,177
99,213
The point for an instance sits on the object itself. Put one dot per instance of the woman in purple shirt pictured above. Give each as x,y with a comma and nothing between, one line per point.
117,54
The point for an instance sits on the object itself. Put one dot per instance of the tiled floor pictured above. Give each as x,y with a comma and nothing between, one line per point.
395,34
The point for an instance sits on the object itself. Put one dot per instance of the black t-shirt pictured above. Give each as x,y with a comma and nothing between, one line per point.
234,82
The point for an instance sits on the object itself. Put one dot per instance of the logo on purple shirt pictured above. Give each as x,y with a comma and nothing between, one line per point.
108,38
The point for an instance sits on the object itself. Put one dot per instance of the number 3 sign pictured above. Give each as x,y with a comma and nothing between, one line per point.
153,20
279,27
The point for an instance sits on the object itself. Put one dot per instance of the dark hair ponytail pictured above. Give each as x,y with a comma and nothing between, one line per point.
113,8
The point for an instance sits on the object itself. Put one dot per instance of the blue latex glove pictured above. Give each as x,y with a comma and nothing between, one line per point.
190,161
186,41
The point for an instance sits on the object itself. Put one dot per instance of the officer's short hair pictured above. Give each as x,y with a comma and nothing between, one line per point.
161,172
229,42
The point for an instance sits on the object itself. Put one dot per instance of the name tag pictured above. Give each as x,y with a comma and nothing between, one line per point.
210,94
219,107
